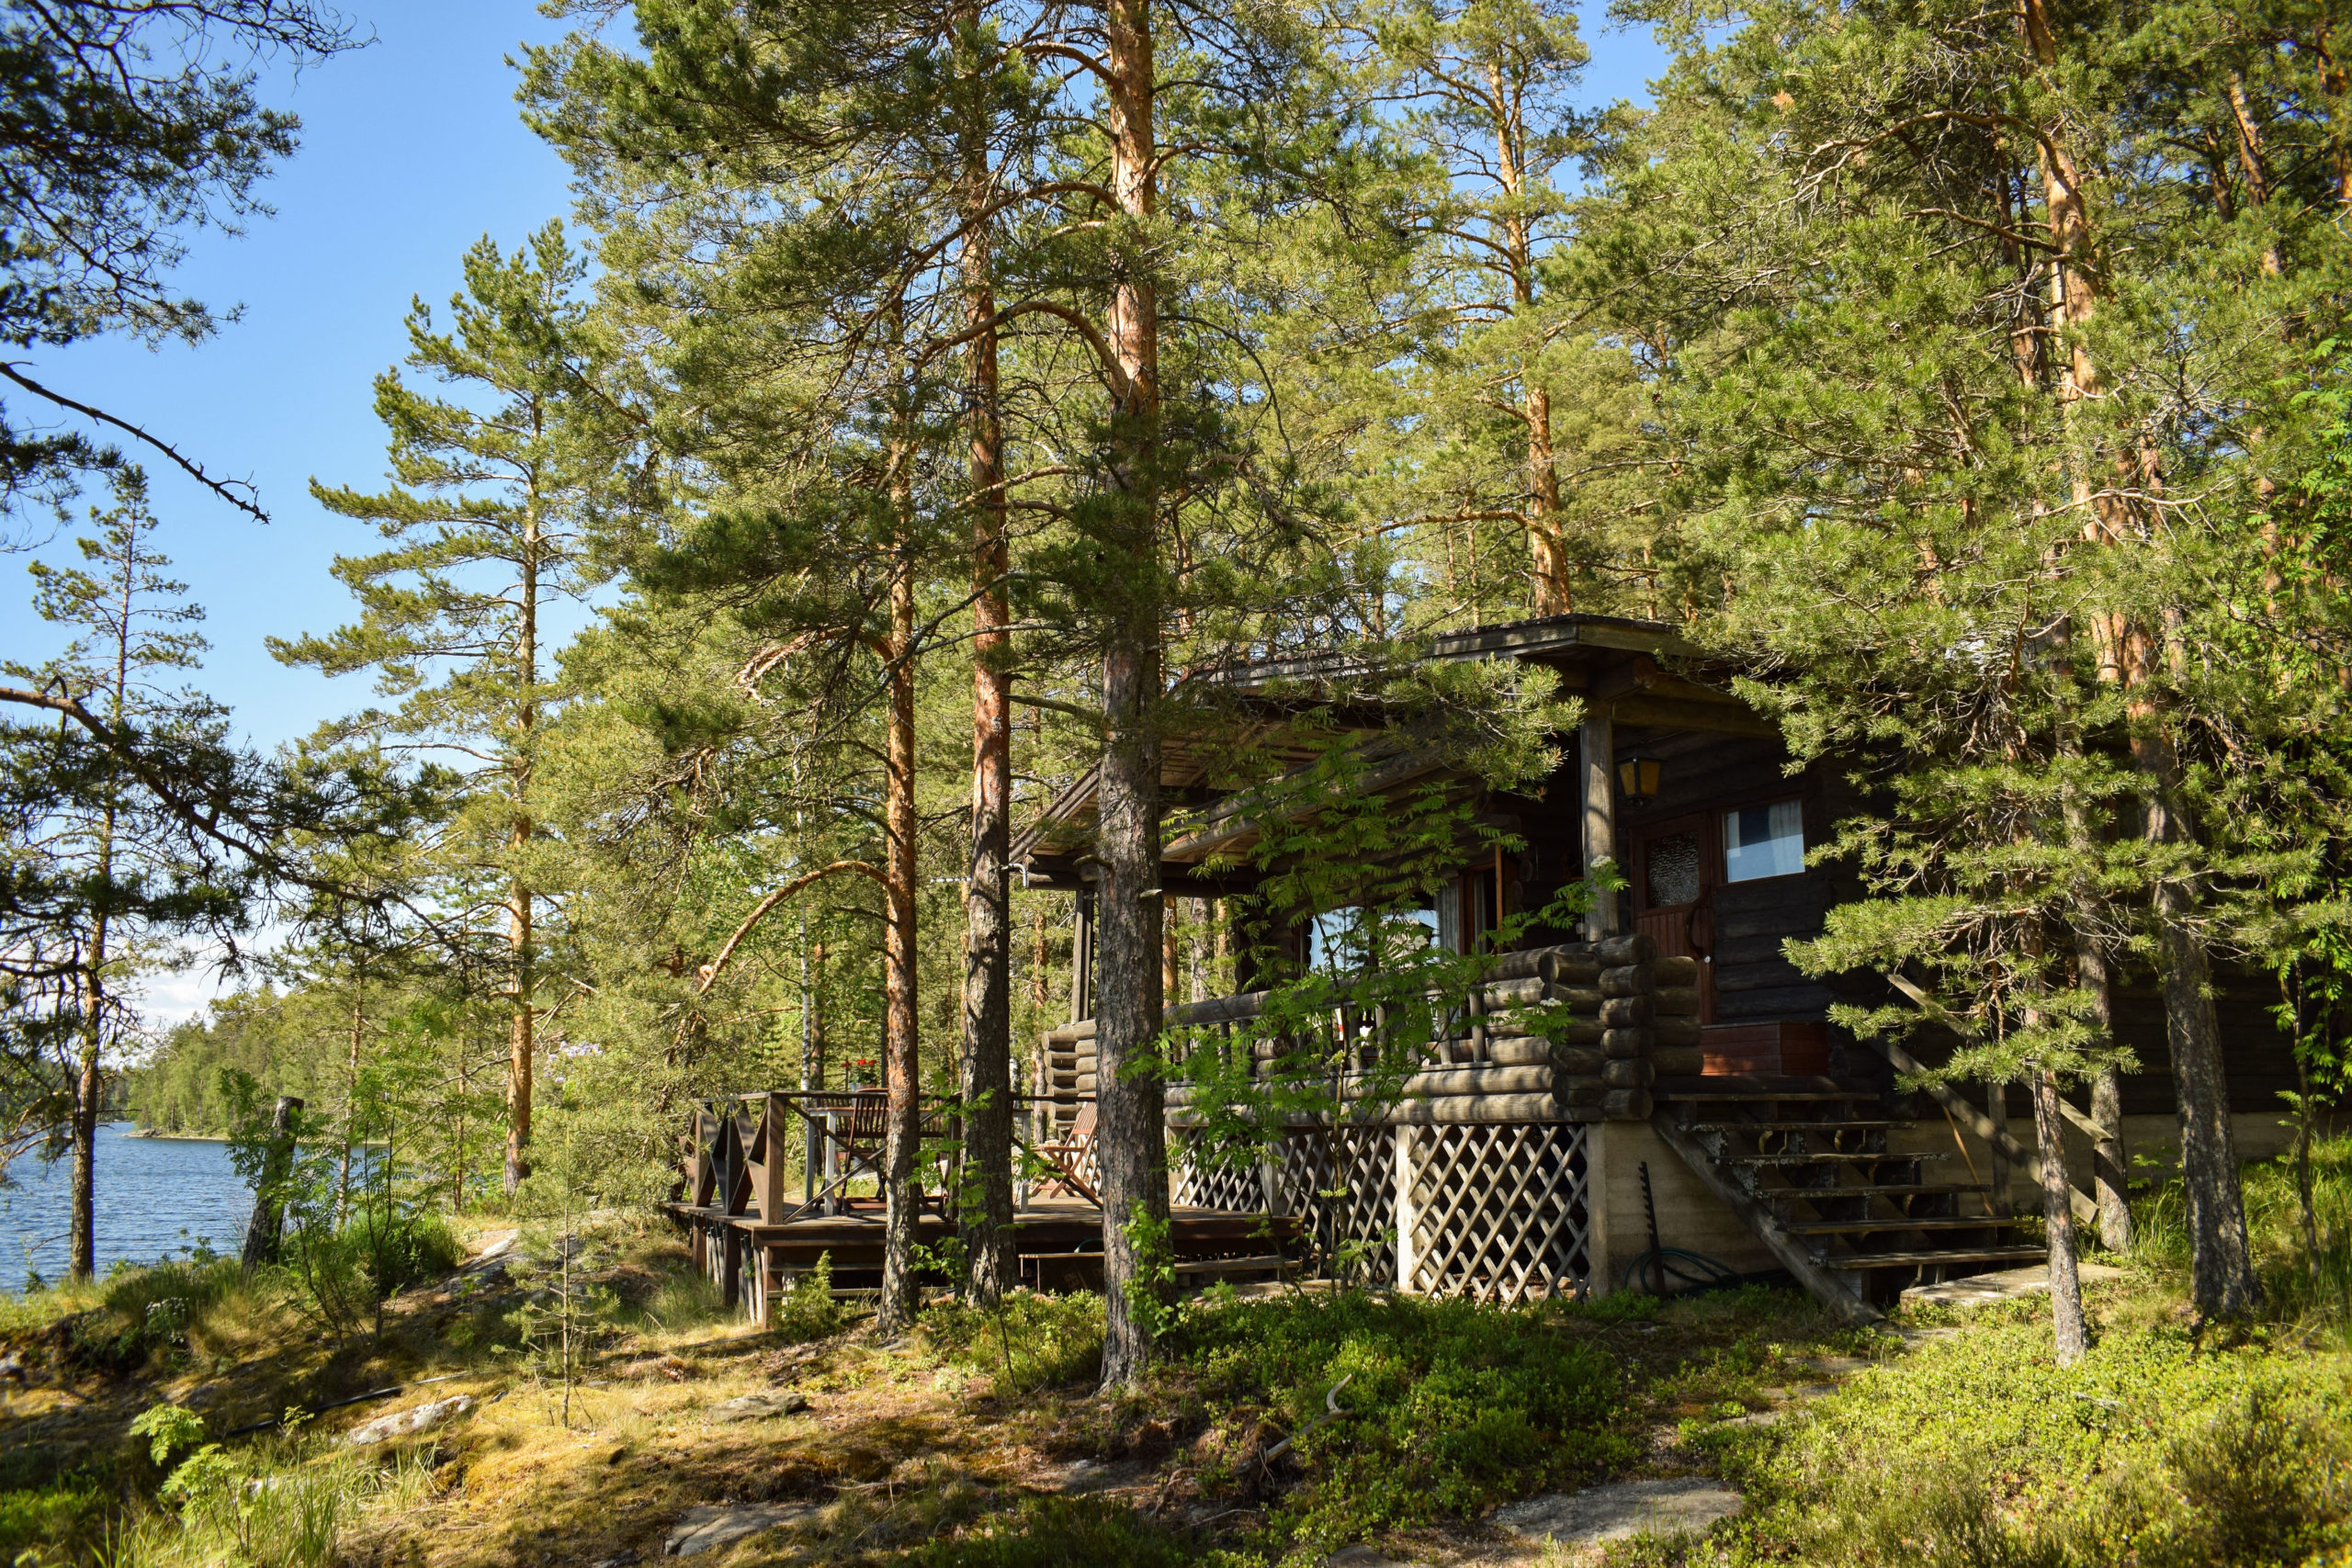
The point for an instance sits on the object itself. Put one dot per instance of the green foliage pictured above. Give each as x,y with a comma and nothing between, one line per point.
1034,1342
1054,1533
1151,1289
50,1525
168,1428
160,1302
1450,1407
149,127
809,1311
1979,1450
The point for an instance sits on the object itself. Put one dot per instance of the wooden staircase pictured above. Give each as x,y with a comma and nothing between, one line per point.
1807,1165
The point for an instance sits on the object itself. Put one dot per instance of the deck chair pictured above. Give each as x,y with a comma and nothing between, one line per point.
1077,1168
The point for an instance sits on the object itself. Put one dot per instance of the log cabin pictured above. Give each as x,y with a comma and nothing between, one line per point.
1707,1120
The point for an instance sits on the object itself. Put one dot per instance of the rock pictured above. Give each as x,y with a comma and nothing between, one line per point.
1088,1475
622,1560
708,1527
1978,1289
494,1245
408,1423
758,1406
1360,1557
1621,1510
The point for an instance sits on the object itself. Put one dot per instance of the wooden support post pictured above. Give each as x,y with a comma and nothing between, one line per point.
1403,1137
265,1229
1997,1110
1596,759
1082,956
769,1196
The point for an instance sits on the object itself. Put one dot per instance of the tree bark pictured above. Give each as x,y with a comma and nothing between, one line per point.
1131,1134
1547,561
89,1087
2221,1269
2058,1221
265,1227
986,1079
520,934
901,1067
2221,1264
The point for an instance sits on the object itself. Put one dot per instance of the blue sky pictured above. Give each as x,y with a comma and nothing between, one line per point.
412,148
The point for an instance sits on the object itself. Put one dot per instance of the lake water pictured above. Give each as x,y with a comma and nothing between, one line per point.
157,1197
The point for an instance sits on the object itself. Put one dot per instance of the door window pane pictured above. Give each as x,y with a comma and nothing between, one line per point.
1764,840
1672,869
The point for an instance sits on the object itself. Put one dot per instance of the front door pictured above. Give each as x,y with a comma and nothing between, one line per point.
1675,872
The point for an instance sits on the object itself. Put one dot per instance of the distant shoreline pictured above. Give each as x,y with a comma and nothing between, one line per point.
177,1137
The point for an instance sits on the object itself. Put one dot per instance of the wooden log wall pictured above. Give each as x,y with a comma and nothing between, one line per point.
1560,1033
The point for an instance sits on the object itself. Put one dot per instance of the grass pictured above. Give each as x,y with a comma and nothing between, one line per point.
2164,1448
1979,1450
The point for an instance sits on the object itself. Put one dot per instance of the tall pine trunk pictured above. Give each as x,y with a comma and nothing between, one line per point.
1131,1136
522,1021
89,1087
2058,1220
2221,1267
986,1080
901,1068
1547,559
2222,1281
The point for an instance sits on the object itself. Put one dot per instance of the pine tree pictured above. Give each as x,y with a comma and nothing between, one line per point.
1920,471
488,512
113,873
123,127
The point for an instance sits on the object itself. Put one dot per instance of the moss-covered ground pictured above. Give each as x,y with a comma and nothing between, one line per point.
1945,1437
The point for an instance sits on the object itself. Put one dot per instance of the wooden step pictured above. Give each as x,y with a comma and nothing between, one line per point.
1272,1262
1825,1157
1884,1190
1929,1259
1796,1127
1902,1223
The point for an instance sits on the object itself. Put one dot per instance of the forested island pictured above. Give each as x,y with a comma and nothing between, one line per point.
1230,785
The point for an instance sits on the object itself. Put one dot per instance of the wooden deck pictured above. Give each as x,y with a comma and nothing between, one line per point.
1060,1241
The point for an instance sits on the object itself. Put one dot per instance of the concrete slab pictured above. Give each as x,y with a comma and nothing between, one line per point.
1978,1289
1621,1510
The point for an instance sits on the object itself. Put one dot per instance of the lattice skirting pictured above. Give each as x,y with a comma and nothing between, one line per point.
1344,1180
1232,1178
1495,1212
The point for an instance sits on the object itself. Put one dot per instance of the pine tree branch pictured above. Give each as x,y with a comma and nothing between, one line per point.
227,490
760,911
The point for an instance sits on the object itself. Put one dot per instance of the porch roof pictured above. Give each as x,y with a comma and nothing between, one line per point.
1615,665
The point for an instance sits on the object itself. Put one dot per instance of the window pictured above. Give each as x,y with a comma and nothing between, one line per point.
1764,840
1338,943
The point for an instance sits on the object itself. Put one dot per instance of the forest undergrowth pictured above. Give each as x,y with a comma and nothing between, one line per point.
978,1442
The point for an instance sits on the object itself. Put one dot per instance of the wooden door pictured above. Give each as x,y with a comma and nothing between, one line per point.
1676,867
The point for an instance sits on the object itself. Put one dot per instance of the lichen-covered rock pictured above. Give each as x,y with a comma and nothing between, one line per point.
758,1406
408,1423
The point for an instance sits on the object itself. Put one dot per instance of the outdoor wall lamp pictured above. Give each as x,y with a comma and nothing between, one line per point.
1638,778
